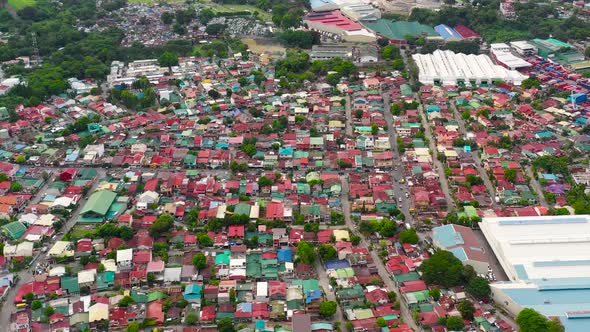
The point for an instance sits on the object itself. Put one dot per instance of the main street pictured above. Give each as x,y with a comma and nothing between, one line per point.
482,173
438,167
26,276
399,188
406,314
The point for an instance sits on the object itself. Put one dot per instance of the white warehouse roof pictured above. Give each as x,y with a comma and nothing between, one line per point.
550,247
449,68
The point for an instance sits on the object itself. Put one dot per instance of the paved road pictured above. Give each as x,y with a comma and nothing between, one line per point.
482,173
385,276
26,276
437,164
325,284
398,170
536,186
348,109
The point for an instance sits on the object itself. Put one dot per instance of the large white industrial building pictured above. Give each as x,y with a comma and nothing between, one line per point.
450,68
546,258
540,247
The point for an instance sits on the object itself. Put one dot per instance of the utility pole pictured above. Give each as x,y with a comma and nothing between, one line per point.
36,50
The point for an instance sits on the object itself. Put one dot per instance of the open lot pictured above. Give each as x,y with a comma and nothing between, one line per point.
20,4
231,8
258,46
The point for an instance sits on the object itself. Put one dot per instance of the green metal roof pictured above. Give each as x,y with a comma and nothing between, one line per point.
99,203
400,29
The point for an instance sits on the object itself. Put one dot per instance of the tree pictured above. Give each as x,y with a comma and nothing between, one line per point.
206,15
388,228
36,304
199,261
358,114
531,82
49,311
215,29
408,236
510,174
133,327
125,301
434,293
204,240
225,325
151,278
328,308
442,268
163,224
263,181
333,79
297,39
168,59
374,129
392,296
455,323
15,187
305,252
327,252
381,322
479,288
249,149
390,52
355,239
529,320
20,159
466,308
167,17
29,297
191,319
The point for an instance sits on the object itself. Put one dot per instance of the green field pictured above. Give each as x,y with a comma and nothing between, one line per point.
230,8
20,4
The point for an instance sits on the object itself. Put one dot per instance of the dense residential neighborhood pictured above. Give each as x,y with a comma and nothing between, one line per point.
323,165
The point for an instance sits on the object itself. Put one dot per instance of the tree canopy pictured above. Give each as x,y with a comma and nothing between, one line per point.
328,308
529,320
442,268
305,252
163,224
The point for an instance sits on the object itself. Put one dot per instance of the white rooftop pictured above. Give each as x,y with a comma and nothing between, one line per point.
540,247
448,68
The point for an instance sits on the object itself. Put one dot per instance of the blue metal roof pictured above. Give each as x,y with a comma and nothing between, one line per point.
337,264
555,303
318,4
447,32
447,236
459,252
285,255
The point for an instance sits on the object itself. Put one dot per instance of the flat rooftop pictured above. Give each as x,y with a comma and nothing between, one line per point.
549,247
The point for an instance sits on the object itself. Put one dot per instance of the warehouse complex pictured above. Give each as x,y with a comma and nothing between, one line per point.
546,258
450,68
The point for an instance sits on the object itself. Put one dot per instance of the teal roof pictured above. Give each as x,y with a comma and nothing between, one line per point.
222,258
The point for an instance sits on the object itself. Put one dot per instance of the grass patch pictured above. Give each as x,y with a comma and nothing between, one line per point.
80,232
231,8
20,4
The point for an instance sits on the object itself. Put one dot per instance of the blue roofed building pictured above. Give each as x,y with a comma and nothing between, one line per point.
546,260
193,293
447,33
462,242
337,264
285,255
322,5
